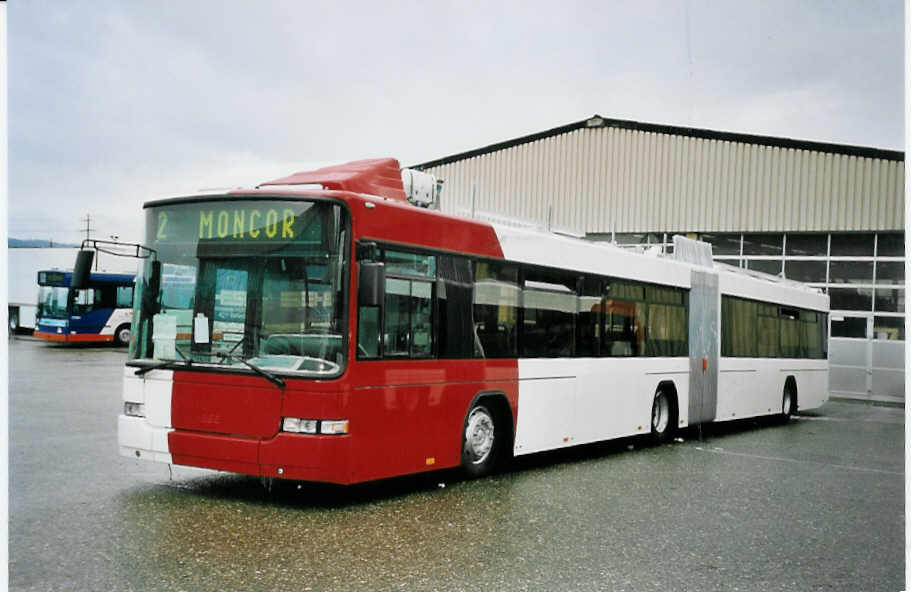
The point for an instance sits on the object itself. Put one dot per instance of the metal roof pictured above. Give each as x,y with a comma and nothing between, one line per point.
597,121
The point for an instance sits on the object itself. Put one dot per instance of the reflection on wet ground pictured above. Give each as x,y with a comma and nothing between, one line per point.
811,504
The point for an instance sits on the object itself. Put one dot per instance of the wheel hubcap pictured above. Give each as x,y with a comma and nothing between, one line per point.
786,404
479,435
124,336
661,413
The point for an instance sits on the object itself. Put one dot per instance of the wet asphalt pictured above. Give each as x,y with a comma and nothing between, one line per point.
815,504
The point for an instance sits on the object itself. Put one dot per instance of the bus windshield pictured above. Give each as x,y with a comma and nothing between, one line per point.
52,302
245,282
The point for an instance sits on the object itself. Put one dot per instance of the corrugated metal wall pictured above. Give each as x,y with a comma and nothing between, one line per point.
605,179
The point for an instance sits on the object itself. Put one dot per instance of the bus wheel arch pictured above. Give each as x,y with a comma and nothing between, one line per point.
122,334
487,433
665,412
789,398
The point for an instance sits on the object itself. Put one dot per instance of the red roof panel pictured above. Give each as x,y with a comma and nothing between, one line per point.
375,176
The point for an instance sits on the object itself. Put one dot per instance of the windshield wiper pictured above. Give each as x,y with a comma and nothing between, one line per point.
186,363
267,375
165,364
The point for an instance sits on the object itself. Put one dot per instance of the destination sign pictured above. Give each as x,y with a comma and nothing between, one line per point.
237,222
51,278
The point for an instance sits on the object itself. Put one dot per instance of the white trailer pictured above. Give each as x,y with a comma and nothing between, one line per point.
24,265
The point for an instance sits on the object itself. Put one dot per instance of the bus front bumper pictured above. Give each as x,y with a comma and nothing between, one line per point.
73,337
302,457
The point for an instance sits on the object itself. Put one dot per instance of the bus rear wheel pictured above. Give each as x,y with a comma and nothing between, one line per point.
787,403
663,417
122,335
480,441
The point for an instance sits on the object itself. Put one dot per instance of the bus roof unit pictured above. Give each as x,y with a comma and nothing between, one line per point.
381,177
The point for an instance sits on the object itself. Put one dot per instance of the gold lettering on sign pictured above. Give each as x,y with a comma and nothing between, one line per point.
254,231
205,222
239,218
271,223
288,224
222,224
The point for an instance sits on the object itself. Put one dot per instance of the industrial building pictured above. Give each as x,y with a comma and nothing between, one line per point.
830,215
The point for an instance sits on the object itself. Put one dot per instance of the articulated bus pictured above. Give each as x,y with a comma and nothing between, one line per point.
321,327
101,312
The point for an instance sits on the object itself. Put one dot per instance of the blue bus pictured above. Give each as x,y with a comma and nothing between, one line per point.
100,313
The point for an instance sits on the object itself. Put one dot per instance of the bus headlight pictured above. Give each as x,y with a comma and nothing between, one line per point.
297,425
134,409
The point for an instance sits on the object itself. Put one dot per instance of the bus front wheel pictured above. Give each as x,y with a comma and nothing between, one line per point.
122,335
481,441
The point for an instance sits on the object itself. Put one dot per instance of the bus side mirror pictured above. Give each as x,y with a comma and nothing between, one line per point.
371,279
366,251
83,269
150,304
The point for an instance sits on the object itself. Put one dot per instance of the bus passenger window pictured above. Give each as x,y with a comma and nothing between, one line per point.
496,299
549,305
624,328
588,318
124,296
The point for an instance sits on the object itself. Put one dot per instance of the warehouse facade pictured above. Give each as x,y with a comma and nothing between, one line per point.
830,215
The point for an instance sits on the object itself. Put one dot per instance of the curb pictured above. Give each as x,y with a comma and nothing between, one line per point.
872,402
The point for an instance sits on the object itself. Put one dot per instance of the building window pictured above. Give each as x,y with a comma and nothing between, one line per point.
723,244
890,272
890,245
889,328
772,267
890,300
851,272
807,245
805,271
851,299
853,327
852,245
762,244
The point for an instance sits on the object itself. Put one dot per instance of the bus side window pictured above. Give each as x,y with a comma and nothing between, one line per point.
624,319
495,304
84,300
124,296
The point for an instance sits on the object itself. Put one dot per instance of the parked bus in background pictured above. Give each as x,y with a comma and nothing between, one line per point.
101,312
341,334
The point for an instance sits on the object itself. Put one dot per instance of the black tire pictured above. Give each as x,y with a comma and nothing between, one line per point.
788,403
664,417
122,335
482,441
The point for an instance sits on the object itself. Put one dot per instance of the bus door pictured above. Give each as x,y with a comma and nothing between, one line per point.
704,338
90,309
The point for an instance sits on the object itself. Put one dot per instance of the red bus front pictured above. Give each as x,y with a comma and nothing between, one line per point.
244,355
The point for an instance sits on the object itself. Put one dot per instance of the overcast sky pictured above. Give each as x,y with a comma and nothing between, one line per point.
115,103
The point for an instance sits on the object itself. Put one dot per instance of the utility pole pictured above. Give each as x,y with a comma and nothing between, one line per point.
88,227
88,233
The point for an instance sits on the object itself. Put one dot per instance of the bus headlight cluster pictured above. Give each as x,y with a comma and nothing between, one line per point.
297,425
134,409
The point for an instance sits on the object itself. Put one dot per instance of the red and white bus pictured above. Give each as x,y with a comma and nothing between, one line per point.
322,328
